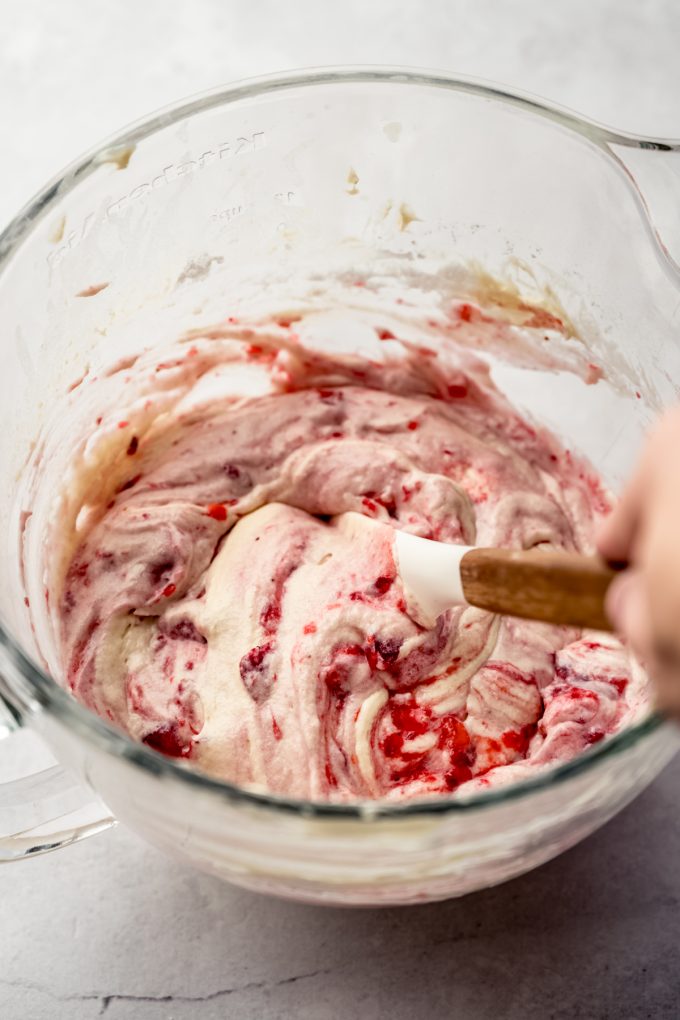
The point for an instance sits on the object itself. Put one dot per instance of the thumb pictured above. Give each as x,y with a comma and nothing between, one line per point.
616,534
627,607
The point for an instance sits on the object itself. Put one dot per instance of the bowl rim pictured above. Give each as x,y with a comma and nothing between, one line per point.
37,691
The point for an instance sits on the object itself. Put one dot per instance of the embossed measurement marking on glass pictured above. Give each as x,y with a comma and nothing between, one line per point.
173,172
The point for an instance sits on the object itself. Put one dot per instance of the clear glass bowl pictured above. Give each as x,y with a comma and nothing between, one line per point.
310,174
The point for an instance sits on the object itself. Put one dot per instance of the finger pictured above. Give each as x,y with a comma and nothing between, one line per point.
659,556
644,603
616,535
628,609
665,672
627,606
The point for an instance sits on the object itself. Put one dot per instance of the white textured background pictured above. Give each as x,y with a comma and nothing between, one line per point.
73,71
110,928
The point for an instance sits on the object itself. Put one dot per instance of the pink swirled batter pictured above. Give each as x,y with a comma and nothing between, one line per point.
216,604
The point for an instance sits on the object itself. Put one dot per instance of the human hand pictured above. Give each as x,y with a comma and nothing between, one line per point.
643,531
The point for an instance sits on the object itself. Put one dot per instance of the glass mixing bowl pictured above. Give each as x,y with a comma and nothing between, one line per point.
314,174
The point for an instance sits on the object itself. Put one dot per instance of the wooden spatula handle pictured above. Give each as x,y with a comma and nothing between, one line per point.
550,585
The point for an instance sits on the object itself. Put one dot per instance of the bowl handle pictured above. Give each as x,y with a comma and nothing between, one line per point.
654,170
46,810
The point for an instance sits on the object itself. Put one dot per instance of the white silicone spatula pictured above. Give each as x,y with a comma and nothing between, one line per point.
538,584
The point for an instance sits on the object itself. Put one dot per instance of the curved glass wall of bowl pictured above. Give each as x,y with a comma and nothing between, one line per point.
654,169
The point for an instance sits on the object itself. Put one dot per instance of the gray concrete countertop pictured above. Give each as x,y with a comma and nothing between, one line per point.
109,927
